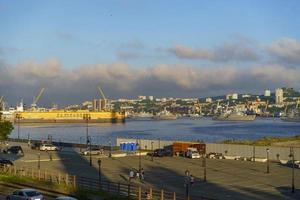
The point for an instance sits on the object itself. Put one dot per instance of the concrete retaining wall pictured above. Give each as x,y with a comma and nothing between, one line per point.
281,153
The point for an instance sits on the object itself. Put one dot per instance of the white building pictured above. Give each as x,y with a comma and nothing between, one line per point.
151,98
279,96
208,100
142,97
232,96
267,93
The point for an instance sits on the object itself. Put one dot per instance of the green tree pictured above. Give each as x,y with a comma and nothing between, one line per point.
6,128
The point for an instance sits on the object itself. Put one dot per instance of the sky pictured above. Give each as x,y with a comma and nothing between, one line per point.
175,48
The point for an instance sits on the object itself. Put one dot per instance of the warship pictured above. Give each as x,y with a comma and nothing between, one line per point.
293,116
234,116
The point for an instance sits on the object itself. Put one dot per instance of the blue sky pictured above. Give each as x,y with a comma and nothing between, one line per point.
144,33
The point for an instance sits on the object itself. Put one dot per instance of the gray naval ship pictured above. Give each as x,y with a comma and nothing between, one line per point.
293,116
234,116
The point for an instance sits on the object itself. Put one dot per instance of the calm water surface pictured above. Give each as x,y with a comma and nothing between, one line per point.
180,129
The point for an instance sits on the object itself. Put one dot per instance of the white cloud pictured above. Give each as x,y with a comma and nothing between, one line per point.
239,50
286,50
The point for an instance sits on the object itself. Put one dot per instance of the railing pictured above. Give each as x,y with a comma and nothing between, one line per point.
128,190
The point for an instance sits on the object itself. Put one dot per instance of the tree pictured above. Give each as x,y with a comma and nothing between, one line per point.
6,128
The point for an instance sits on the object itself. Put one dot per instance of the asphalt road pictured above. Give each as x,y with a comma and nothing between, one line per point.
226,179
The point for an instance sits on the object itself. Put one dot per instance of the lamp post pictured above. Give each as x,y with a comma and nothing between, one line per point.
204,171
99,167
87,117
152,151
293,169
18,119
109,155
187,184
140,157
268,165
39,159
90,149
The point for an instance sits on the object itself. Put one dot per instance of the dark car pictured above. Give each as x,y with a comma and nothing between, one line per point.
36,145
5,163
161,153
14,150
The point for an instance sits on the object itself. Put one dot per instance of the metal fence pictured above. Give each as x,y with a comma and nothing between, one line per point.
275,153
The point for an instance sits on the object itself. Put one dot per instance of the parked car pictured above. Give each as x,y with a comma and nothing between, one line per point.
36,145
25,194
48,147
65,198
161,153
192,153
14,150
5,163
93,151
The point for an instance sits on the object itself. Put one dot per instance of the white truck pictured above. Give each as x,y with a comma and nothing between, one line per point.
192,153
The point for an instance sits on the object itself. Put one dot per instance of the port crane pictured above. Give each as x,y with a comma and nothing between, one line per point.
103,96
36,99
1,100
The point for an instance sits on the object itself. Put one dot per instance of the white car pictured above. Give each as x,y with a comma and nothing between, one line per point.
192,153
25,194
93,151
48,147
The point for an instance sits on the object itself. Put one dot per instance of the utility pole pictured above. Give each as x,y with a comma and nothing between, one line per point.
268,164
152,151
293,169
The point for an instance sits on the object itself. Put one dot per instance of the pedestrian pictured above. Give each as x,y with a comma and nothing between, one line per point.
147,195
131,175
137,175
192,180
142,174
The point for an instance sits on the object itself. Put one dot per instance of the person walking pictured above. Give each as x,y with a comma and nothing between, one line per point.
142,174
192,180
131,175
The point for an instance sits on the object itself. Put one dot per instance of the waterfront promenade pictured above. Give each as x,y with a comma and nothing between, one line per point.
226,179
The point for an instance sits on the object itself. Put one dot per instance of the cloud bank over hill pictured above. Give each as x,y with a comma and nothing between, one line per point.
240,66
64,85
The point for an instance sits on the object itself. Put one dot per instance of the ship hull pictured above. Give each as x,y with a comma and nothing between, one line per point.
68,117
289,119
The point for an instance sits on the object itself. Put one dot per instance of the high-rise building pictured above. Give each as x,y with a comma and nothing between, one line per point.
267,93
151,98
279,96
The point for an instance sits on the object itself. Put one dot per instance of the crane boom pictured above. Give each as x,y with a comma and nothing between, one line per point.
102,93
266,107
38,97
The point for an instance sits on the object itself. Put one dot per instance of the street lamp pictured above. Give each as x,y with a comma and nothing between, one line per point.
293,169
109,155
152,151
187,183
140,158
99,165
204,171
39,160
268,165
90,141
87,117
18,119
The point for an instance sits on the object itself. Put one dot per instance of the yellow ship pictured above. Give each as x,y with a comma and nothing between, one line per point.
66,116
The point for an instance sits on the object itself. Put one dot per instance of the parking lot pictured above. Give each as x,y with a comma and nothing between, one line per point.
226,179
